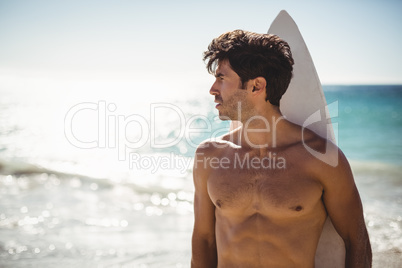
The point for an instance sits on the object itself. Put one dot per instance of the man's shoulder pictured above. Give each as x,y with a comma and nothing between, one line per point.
323,157
217,145
317,143
299,140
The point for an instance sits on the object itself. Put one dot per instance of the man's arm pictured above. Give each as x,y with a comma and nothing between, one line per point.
344,207
204,252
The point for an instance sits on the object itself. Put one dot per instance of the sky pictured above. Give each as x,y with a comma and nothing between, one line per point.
161,42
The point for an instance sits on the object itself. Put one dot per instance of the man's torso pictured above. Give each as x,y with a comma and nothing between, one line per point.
269,210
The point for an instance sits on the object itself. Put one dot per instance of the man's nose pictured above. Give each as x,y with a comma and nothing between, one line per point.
214,90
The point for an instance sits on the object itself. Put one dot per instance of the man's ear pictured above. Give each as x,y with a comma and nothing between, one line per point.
259,85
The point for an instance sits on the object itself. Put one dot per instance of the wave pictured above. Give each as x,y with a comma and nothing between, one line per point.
19,168
376,169
142,182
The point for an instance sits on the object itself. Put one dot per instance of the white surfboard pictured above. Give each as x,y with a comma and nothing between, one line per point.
304,101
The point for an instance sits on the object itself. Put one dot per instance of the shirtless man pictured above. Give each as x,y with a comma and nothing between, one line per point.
261,199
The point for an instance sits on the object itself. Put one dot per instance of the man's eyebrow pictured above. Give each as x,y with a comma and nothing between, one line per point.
219,75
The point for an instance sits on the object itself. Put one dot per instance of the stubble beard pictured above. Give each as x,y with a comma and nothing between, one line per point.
233,108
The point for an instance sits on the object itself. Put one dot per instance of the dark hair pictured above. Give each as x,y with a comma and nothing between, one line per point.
252,55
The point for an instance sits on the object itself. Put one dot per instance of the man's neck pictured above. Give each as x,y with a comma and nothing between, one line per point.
260,130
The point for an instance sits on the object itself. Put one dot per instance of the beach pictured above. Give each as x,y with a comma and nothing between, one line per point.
75,191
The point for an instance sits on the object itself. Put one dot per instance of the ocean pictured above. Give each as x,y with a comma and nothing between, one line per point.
104,179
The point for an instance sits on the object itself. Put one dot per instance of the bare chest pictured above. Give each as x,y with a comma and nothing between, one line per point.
263,190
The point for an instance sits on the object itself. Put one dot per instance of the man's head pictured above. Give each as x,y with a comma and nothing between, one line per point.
253,55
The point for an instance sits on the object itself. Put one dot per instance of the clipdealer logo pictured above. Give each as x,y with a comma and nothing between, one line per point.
116,130
113,132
